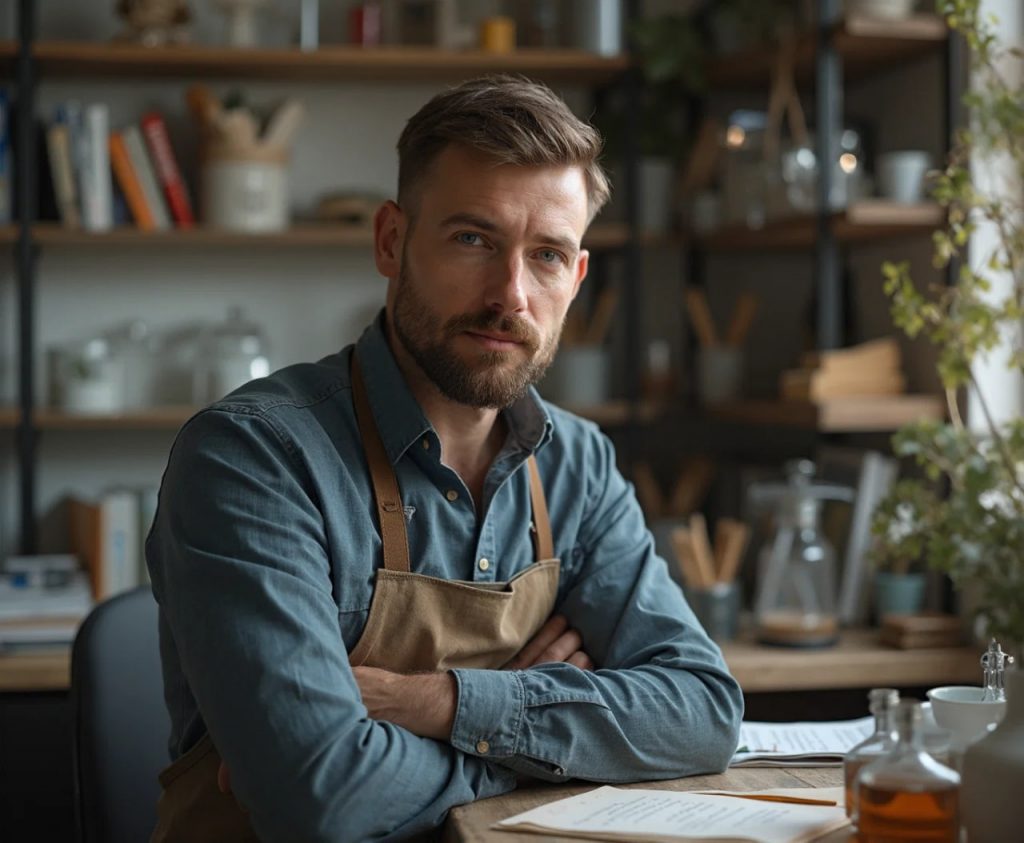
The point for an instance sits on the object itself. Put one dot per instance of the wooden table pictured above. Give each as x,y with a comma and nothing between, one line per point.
472,823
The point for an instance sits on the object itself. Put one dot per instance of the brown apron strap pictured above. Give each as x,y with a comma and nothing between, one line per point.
544,546
393,535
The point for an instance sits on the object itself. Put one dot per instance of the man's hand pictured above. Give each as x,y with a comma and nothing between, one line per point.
554,642
423,703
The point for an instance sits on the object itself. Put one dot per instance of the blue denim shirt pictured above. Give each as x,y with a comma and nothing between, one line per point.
263,555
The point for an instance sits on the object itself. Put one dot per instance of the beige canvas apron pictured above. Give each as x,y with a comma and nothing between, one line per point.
415,623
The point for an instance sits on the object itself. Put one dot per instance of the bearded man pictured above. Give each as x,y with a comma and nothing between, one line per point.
396,580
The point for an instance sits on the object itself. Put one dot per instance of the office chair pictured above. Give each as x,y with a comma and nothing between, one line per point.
120,723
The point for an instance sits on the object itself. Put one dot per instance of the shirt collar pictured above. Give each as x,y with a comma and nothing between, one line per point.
400,420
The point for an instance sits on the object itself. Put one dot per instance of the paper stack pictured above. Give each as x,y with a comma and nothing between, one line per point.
793,815
871,368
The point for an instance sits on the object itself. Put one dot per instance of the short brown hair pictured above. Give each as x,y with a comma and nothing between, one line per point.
511,119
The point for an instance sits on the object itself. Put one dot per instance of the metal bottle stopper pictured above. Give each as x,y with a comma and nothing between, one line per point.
994,663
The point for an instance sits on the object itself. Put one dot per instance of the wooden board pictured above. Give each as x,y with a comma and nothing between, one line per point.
858,661
48,670
329,63
865,220
837,415
865,45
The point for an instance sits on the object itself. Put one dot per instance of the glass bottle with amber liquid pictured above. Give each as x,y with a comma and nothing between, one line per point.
882,704
907,795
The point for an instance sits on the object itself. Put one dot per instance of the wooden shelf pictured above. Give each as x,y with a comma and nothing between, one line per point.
858,661
866,45
864,221
838,415
617,413
159,418
35,670
600,236
336,63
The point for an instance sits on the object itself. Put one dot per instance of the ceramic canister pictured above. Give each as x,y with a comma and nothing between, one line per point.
993,774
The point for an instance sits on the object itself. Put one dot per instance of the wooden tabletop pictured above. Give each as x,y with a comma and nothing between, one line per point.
472,823
857,661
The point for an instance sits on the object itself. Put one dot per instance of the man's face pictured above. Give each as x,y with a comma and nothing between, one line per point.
488,269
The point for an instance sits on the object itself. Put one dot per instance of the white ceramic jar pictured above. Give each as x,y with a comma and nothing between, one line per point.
246,193
993,774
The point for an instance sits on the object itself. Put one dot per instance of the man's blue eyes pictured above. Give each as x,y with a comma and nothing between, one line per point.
468,238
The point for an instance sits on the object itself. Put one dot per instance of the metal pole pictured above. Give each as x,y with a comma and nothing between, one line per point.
633,275
25,259
828,80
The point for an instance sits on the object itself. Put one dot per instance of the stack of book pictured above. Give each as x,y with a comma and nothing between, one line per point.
101,178
869,369
38,609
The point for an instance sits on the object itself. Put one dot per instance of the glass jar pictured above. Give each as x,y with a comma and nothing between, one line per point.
882,704
906,794
237,354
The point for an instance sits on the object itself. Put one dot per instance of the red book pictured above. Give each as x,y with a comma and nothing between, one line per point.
159,143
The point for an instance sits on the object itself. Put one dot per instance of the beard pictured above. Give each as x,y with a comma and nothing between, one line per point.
487,379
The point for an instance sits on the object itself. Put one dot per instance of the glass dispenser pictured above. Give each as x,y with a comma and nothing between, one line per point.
882,704
907,794
796,598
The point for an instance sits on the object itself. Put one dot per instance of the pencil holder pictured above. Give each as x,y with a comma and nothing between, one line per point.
719,374
717,608
245,190
579,376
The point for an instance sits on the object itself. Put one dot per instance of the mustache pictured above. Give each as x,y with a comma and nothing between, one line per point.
514,327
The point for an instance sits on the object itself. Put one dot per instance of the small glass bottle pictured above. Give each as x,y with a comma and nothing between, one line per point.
907,794
882,704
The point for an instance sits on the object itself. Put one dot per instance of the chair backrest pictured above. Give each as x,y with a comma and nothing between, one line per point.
121,725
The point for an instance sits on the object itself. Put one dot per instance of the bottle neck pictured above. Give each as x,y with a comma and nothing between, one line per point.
884,721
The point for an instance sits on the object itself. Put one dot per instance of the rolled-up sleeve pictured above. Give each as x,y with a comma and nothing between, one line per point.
241,571
661,703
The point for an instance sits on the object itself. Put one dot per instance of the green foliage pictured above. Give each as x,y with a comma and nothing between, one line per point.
970,502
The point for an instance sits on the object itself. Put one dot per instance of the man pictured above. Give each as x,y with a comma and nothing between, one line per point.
394,580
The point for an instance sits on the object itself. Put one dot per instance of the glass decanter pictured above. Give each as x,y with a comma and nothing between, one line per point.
882,704
906,794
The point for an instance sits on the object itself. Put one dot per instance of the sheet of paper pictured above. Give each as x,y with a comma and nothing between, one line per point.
820,743
610,813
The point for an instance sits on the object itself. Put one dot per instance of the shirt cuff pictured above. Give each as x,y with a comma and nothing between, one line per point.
488,713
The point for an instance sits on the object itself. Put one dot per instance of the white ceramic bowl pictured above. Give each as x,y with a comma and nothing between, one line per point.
959,709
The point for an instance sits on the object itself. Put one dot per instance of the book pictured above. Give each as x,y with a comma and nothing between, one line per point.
146,175
128,181
168,173
96,181
105,535
808,744
789,815
58,146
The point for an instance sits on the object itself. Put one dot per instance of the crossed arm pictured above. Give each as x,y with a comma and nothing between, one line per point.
424,703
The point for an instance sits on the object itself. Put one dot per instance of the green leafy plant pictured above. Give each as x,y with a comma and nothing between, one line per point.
902,525
977,526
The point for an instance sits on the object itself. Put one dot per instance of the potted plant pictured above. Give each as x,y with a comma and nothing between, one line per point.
901,526
976,531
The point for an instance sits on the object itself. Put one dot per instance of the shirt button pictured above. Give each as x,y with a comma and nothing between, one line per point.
426,444
452,495
484,564
483,747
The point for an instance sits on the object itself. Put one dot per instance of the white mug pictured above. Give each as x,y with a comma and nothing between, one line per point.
901,175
